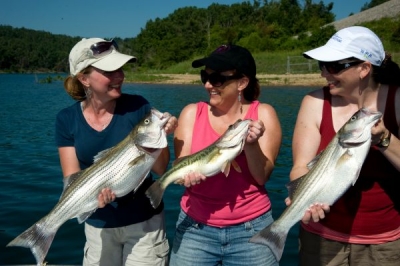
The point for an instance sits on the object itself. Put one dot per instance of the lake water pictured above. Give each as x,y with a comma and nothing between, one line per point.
31,178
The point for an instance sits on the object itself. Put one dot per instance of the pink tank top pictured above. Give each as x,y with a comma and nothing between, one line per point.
219,200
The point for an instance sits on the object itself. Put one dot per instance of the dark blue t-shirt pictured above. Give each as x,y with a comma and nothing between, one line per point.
73,130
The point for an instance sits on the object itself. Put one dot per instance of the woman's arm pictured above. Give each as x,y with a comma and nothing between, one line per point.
392,152
306,135
184,131
70,165
183,141
305,144
263,143
68,160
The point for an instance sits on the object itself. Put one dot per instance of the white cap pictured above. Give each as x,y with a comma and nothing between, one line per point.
81,57
356,41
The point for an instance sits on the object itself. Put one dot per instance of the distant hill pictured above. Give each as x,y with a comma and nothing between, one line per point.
389,9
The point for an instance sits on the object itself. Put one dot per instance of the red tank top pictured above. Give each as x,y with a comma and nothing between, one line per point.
372,205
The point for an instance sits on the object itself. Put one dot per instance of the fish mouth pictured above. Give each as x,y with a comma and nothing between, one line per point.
155,137
163,117
373,116
238,131
360,135
241,125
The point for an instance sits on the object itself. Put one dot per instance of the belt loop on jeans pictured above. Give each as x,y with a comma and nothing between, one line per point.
248,226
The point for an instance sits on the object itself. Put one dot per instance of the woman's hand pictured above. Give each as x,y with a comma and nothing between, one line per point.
315,212
171,124
256,130
193,178
106,196
378,132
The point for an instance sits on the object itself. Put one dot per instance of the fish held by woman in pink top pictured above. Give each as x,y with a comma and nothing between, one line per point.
215,158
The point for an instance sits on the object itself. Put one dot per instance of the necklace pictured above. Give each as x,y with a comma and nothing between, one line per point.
98,123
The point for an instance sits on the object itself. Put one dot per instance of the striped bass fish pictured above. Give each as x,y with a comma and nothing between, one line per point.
331,173
217,157
121,168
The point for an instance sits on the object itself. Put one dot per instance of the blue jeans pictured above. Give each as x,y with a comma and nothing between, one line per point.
196,244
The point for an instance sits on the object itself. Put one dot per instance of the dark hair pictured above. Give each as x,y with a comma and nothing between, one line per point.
253,90
387,73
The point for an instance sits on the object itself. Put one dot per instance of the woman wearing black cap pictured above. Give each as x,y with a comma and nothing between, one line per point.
219,215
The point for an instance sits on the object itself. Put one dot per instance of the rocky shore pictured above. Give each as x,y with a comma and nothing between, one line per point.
265,79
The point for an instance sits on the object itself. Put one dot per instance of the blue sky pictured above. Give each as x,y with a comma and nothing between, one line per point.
108,19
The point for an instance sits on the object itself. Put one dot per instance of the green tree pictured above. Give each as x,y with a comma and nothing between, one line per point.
372,4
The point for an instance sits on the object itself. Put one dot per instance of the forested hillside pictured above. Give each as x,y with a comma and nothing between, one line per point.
261,26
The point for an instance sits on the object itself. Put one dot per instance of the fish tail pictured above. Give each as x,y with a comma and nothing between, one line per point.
155,193
38,239
274,239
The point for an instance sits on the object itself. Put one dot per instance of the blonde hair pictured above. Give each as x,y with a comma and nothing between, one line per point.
74,87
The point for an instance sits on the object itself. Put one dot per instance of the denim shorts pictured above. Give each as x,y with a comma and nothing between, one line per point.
196,244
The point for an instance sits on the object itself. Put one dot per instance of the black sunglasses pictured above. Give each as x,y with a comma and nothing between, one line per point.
216,79
336,67
98,50
101,47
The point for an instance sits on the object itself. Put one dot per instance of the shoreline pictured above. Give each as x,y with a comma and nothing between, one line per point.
301,80
313,80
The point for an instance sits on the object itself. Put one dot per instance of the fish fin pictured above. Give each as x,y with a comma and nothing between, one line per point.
356,176
225,168
38,238
236,166
314,161
178,160
180,181
347,154
293,185
83,216
141,182
137,159
274,239
155,193
68,180
341,163
344,158
100,155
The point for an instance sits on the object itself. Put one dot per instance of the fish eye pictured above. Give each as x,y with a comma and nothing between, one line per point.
353,118
147,121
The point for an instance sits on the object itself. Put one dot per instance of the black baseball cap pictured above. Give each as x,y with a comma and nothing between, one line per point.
229,57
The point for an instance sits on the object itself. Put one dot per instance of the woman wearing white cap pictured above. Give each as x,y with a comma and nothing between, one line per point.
363,226
126,230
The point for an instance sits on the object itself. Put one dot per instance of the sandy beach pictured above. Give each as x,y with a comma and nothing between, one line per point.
265,79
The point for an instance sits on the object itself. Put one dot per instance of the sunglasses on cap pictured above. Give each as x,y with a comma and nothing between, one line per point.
98,50
336,67
216,79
